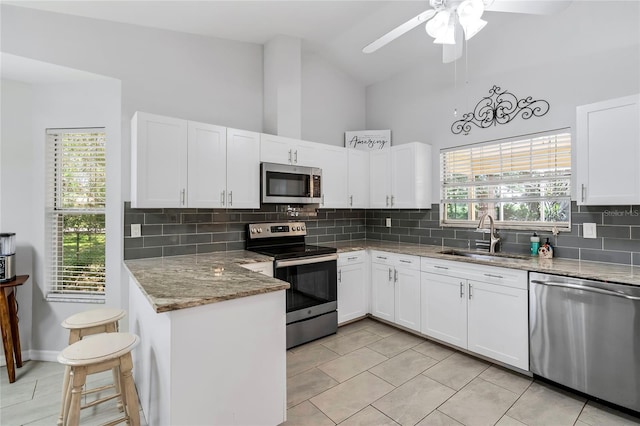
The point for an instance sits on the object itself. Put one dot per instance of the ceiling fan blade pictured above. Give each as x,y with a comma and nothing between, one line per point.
534,7
400,30
452,52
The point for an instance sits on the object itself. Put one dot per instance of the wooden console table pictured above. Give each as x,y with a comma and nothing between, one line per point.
9,323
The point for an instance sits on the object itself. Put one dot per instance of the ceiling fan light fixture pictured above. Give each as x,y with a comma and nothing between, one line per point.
438,24
473,27
470,10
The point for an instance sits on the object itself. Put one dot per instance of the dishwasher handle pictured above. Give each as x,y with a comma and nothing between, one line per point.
586,288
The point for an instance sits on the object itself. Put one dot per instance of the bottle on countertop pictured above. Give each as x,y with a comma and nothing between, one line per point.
535,244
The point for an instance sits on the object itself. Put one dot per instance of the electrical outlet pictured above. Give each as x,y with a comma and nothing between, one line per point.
388,222
589,230
136,231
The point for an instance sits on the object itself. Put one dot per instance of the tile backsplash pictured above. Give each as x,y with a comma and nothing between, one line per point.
169,232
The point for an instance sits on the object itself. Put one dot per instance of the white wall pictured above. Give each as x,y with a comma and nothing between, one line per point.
17,185
332,102
568,61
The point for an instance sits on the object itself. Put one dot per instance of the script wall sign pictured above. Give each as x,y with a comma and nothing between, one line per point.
368,140
500,107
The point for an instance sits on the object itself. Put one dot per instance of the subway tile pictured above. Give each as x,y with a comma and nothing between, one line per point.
374,236
566,252
579,218
358,236
408,223
611,231
420,232
316,231
253,217
601,209
226,236
514,248
130,218
197,218
195,238
236,245
389,237
326,239
146,230
420,215
144,211
204,210
327,222
635,233
409,239
130,243
621,245
429,224
342,237
211,227
606,256
443,233
590,243
337,214
142,253
179,229
178,250
456,243
398,231
381,229
399,214
311,240
431,241
159,241
238,227
211,248
623,217
351,229
343,222
335,230
160,218
221,217
636,259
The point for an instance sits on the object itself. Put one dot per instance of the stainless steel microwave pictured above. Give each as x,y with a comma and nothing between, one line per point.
287,184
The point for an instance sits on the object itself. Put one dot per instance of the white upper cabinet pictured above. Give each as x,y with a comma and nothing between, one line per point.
608,152
283,150
243,169
158,161
358,179
207,165
401,177
333,162
180,163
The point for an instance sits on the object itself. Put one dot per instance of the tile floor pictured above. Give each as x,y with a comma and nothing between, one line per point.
34,398
367,374
370,373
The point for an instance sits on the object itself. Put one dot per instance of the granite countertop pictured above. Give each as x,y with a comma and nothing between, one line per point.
610,272
178,282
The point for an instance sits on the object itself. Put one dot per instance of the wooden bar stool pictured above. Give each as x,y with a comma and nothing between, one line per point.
100,353
94,321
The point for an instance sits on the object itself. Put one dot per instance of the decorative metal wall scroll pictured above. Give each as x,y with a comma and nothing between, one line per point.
500,107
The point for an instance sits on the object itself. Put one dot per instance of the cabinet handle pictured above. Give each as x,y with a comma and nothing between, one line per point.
340,276
290,158
295,158
461,289
582,192
470,291
395,276
351,200
440,267
392,197
405,261
387,203
230,198
381,257
222,198
352,258
390,274
182,194
493,276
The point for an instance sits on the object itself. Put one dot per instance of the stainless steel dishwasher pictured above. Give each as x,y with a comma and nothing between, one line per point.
586,335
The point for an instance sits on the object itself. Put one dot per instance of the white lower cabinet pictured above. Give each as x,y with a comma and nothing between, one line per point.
395,281
352,286
482,309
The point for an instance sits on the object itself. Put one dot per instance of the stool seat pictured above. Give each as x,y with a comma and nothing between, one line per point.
93,318
93,350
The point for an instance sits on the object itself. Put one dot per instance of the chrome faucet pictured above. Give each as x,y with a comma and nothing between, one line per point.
494,239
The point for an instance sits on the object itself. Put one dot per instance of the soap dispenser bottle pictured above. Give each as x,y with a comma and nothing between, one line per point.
535,244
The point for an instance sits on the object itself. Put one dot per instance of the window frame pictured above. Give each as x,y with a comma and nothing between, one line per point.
58,206
472,221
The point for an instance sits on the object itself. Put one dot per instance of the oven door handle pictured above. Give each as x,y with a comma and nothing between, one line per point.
306,260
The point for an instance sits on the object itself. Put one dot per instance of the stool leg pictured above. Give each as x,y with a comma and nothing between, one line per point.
115,371
130,396
65,392
78,379
15,330
7,339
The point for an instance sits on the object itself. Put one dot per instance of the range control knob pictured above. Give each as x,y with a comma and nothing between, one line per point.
259,230
253,230
297,228
303,227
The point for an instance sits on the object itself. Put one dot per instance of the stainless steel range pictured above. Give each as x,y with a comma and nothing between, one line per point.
312,272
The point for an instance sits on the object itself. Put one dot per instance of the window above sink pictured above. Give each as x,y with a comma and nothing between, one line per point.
523,182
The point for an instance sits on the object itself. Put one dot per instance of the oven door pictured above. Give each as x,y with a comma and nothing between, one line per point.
314,285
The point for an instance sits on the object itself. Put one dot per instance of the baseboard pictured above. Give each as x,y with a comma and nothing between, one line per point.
51,356
25,356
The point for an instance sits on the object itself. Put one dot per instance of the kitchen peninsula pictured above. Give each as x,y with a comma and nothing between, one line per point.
212,339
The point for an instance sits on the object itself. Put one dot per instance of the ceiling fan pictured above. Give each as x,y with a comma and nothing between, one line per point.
450,22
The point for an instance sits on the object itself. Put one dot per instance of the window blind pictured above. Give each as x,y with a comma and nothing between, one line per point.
522,182
76,197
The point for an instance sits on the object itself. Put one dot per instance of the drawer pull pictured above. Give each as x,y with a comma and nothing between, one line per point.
493,276
441,267
406,261
381,257
352,258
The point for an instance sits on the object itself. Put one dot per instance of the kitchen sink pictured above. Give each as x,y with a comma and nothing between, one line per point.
484,255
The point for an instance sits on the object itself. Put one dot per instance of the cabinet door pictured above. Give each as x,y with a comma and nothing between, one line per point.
276,149
407,298
444,308
307,154
498,323
207,165
333,162
382,292
608,142
243,169
352,295
379,179
403,175
358,178
158,161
